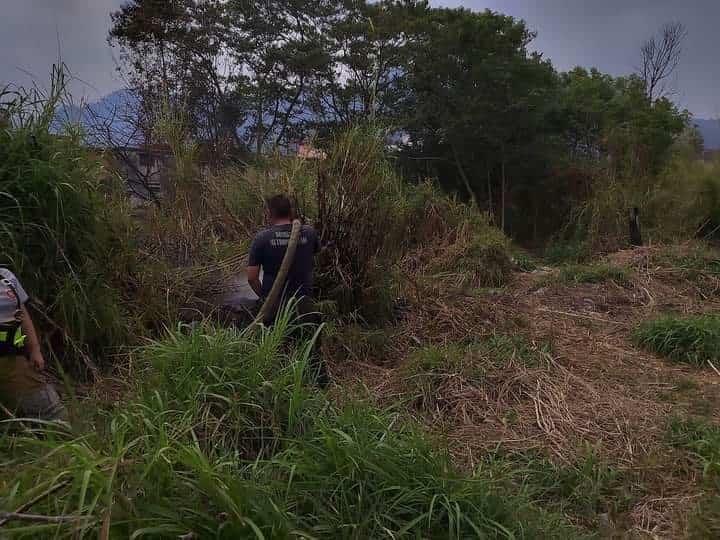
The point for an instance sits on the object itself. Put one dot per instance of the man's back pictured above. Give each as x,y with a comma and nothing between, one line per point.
268,249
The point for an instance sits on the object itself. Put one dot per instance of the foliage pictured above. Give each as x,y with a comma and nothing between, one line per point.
524,261
691,260
467,101
585,487
368,219
693,340
223,437
594,273
61,231
686,199
476,71
702,440
358,343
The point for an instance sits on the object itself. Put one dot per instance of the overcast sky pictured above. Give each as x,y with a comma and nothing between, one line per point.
602,33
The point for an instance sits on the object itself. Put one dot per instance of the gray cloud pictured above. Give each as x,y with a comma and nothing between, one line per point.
34,34
608,34
602,33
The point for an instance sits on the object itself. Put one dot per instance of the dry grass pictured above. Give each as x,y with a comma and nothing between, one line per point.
595,389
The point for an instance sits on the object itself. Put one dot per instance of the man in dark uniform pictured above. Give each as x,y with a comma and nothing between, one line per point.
267,252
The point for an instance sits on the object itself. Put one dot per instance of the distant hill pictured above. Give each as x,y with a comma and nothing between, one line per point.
710,130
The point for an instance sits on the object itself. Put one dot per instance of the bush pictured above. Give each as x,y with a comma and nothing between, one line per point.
679,203
693,340
370,219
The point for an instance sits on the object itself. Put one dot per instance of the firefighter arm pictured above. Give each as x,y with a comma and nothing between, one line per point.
32,343
253,277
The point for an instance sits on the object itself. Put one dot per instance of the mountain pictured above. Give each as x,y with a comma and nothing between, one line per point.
109,118
710,130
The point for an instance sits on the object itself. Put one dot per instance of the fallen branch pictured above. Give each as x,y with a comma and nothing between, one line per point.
714,368
37,518
32,502
579,316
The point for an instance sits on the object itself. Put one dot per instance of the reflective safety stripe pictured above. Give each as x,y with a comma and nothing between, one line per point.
19,339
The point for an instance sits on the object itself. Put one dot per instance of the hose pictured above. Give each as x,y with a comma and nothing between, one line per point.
272,299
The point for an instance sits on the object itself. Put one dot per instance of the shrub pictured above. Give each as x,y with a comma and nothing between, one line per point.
693,340
370,219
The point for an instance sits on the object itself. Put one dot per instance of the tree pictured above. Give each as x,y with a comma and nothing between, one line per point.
172,53
478,100
370,47
660,58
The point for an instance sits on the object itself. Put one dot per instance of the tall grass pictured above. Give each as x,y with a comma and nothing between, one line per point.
59,229
225,436
694,340
679,203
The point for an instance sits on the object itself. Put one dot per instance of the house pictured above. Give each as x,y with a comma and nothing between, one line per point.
145,169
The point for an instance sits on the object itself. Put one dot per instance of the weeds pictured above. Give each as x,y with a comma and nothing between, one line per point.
702,440
524,262
585,488
693,340
594,273
59,228
359,343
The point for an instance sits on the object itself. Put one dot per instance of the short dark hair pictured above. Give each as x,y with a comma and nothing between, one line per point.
279,206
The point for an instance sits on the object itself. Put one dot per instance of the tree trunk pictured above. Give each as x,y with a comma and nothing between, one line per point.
258,147
464,177
491,205
503,190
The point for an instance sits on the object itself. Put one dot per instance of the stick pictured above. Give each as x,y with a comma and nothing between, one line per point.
714,368
34,501
15,516
10,416
582,316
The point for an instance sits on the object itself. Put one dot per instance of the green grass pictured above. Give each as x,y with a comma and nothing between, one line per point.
584,488
693,340
594,273
524,262
702,440
693,261
225,436
359,342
